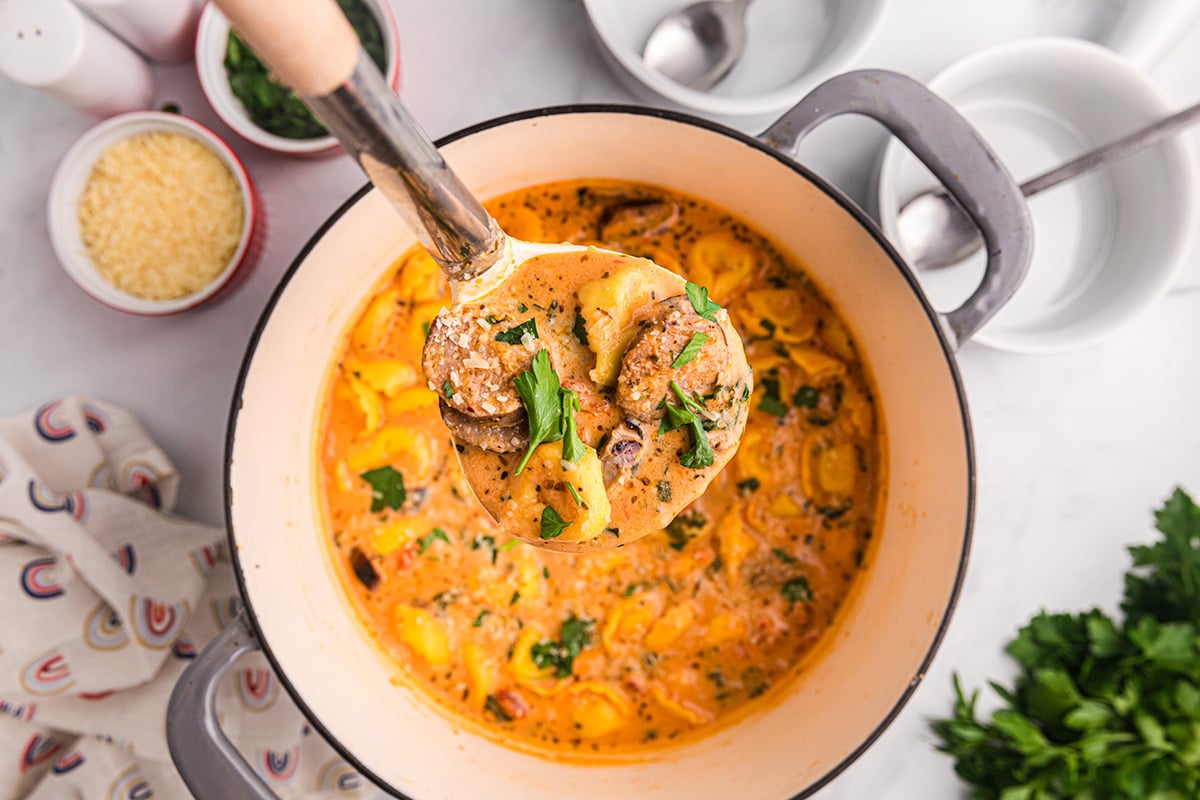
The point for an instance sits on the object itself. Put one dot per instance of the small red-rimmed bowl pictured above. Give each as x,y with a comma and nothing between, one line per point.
212,41
67,187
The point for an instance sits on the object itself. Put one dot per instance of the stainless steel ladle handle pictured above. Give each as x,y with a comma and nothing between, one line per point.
954,152
311,47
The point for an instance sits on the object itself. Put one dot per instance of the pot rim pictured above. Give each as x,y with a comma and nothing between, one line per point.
847,204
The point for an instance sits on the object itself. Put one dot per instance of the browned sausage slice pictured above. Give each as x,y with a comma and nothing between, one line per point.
646,371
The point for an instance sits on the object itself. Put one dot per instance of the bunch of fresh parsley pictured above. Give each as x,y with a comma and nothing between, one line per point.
1101,709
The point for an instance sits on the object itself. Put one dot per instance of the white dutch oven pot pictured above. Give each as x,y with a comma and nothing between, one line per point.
297,611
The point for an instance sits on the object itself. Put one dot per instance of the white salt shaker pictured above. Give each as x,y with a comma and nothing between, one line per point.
53,46
162,30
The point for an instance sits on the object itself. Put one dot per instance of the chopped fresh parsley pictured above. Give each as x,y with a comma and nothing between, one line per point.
425,329
479,619
516,334
493,706
512,601
552,524
690,350
684,528
806,397
538,388
749,485
522,308
387,488
797,590
698,295
701,453
674,418
447,390
664,491
767,326
492,319
509,545
434,535
574,635
574,493
485,543
551,410
580,329
770,401
572,447
784,556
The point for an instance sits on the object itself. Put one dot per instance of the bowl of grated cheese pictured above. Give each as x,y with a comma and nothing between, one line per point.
151,213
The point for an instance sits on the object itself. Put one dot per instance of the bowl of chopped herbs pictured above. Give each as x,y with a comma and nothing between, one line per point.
249,100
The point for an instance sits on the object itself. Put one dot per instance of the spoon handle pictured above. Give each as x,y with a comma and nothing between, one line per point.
311,47
1120,148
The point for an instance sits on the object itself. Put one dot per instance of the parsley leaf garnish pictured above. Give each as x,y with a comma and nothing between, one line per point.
698,295
572,447
515,334
552,523
684,528
770,401
574,635
806,397
493,705
701,453
580,329
551,410
485,543
387,488
797,590
538,388
434,535
690,350
784,555
447,389
574,493
479,619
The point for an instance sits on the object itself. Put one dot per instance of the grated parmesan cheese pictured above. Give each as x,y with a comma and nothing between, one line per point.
161,215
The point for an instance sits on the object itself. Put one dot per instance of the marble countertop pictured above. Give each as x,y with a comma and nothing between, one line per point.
1074,450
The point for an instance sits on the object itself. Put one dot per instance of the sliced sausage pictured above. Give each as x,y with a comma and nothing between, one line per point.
646,371
506,434
469,367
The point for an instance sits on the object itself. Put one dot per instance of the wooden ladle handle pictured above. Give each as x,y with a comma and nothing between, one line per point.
308,44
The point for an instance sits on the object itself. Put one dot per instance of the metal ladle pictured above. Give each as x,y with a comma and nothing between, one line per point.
311,47
698,45
934,232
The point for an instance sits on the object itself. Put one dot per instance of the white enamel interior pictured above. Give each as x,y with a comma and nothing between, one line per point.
886,631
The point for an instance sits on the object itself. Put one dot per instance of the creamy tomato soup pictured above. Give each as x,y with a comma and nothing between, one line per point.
657,641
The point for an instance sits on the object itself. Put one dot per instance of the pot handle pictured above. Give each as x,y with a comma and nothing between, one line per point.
954,152
204,756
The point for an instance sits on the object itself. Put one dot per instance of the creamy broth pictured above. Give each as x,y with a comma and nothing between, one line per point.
658,641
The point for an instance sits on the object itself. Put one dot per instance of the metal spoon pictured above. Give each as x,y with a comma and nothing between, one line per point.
698,45
934,232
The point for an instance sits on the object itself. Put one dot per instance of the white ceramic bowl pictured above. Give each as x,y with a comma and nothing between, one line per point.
67,187
212,39
1107,243
792,46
